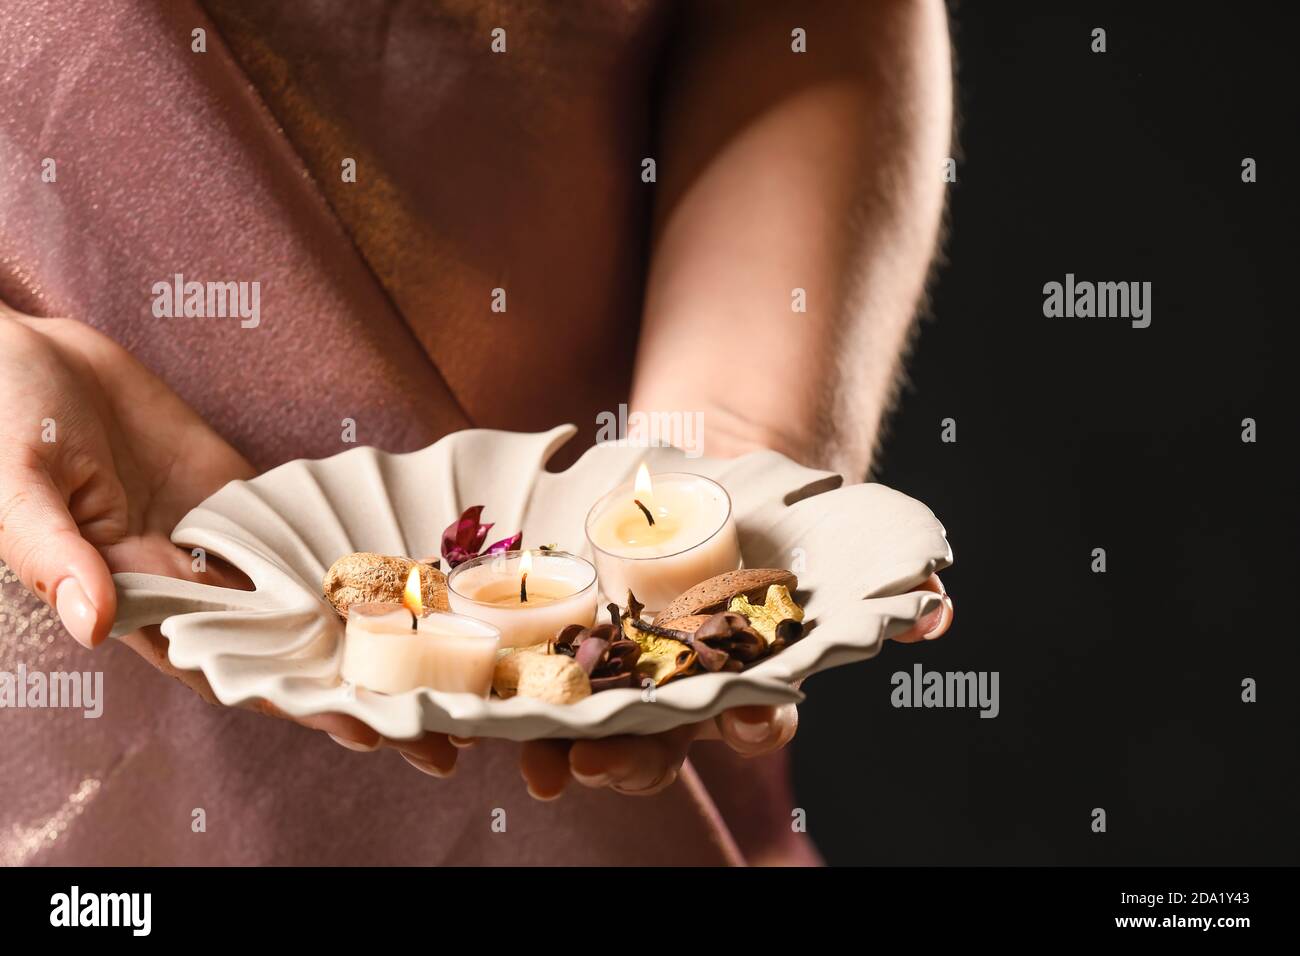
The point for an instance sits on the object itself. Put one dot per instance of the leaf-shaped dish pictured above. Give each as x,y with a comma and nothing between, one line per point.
859,551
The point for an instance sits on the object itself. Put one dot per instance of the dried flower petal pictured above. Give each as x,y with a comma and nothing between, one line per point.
590,653
631,615
565,641
732,636
779,619
511,543
725,641
663,658
608,658
464,538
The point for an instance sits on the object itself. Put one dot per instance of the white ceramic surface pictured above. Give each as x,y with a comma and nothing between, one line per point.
859,551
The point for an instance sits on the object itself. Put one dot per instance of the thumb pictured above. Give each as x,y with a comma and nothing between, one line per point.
41,543
751,731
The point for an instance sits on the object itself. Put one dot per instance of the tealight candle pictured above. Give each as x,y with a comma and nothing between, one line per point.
394,648
658,538
529,596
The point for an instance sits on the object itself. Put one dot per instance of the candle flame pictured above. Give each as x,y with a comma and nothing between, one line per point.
644,487
411,599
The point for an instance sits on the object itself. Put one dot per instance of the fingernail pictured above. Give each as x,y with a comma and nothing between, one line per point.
75,611
751,733
464,743
540,797
662,782
944,605
354,744
424,766
596,780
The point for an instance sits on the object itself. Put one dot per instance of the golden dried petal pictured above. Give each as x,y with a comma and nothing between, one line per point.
662,658
765,617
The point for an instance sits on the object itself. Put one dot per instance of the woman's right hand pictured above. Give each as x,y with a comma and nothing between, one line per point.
99,460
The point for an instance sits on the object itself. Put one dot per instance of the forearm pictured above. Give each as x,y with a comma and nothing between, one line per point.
781,171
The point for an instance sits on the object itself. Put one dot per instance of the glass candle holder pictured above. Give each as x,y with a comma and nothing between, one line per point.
692,538
560,589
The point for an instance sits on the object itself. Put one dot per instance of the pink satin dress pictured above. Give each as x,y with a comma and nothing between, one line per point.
474,171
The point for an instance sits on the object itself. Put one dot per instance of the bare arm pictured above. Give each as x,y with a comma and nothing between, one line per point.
778,171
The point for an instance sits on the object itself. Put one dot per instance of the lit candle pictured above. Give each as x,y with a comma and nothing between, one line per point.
393,648
529,596
660,538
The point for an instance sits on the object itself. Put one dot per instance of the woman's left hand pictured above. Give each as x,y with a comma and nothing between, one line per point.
640,766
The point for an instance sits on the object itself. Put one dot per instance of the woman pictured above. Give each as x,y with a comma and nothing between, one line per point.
387,174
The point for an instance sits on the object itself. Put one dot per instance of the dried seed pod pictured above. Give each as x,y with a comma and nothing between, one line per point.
732,633
505,676
715,594
602,651
554,678
618,668
367,578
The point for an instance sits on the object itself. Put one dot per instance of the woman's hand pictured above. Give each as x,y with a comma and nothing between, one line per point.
99,460
641,766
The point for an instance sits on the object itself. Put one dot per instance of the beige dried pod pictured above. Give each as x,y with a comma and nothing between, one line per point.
367,578
505,676
554,678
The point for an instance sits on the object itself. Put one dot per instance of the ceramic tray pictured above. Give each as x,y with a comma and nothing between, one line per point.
859,551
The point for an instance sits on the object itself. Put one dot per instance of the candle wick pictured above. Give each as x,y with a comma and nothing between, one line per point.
415,622
645,511
523,588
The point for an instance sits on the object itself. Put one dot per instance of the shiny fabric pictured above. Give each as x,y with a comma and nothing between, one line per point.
474,173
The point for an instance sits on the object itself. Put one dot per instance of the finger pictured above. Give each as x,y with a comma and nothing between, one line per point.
39,540
935,623
344,729
632,765
544,765
153,552
711,729
752,731
433,754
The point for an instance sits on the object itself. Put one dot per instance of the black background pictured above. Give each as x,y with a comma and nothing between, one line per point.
1119,690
